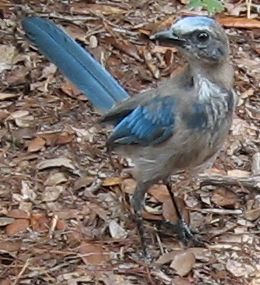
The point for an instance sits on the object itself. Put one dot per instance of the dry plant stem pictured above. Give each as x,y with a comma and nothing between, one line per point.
21,272
256,164
252,182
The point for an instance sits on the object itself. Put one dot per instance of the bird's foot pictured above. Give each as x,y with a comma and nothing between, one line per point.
188,236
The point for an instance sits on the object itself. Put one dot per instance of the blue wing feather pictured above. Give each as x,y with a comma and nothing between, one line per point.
148,124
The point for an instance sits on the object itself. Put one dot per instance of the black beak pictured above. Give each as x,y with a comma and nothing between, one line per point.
168,38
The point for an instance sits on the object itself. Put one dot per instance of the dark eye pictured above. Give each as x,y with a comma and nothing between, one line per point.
202,36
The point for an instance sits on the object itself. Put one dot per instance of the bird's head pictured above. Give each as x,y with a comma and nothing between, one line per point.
199,38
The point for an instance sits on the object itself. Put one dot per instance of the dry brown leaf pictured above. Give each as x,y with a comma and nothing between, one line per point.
24,122
58,138
183,262
18,214
10,246
112,181
6,281
93,254
56,162
18,114
8,54
181,281
160,193
4,221
3,115
239,22
61,225
80,8
253,214
27,192
224,198
125,47
83,182
166,257
36,144
18,226
239,268
116,231
72,91
169,212
129,185
52,193
6,96
40,222
55,179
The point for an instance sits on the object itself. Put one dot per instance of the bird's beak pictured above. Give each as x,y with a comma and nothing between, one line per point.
168,38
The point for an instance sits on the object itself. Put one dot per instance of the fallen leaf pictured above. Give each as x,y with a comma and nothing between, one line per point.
36,144
6,96
159,192
83,8
52,193
183,262
112,181
10,246
181,281
169,212
4,221
18,114
40,222
18,214
116,231
239,269
239,22
224,198
61,225
126,47
24,122
129,185
253,214
56,162
18,226
5,281
58,138
55,179
83,182
8,54
93,254
26,192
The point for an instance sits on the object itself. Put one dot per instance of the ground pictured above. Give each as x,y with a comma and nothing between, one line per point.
65,216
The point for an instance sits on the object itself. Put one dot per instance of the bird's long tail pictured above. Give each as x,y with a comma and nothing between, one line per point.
100,87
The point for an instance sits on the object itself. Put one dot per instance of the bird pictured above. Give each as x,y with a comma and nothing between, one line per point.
178,126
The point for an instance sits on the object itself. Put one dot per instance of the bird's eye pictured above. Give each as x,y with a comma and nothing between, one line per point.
202,36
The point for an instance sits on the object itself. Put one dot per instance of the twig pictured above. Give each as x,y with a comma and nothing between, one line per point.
68,18
252,182
21,272
248,8
256,164
53,225
219,211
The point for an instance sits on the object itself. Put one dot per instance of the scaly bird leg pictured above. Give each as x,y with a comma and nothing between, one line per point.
184,232
137,203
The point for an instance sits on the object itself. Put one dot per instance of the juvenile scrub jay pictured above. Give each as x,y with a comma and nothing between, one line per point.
178,126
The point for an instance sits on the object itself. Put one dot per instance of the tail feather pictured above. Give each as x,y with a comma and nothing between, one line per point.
100,87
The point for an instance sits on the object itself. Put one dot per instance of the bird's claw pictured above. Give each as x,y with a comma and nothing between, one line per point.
185,234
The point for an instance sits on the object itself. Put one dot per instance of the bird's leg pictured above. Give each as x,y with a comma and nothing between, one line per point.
182,228
137,203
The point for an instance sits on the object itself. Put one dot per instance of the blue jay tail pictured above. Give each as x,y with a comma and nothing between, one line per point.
78,65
